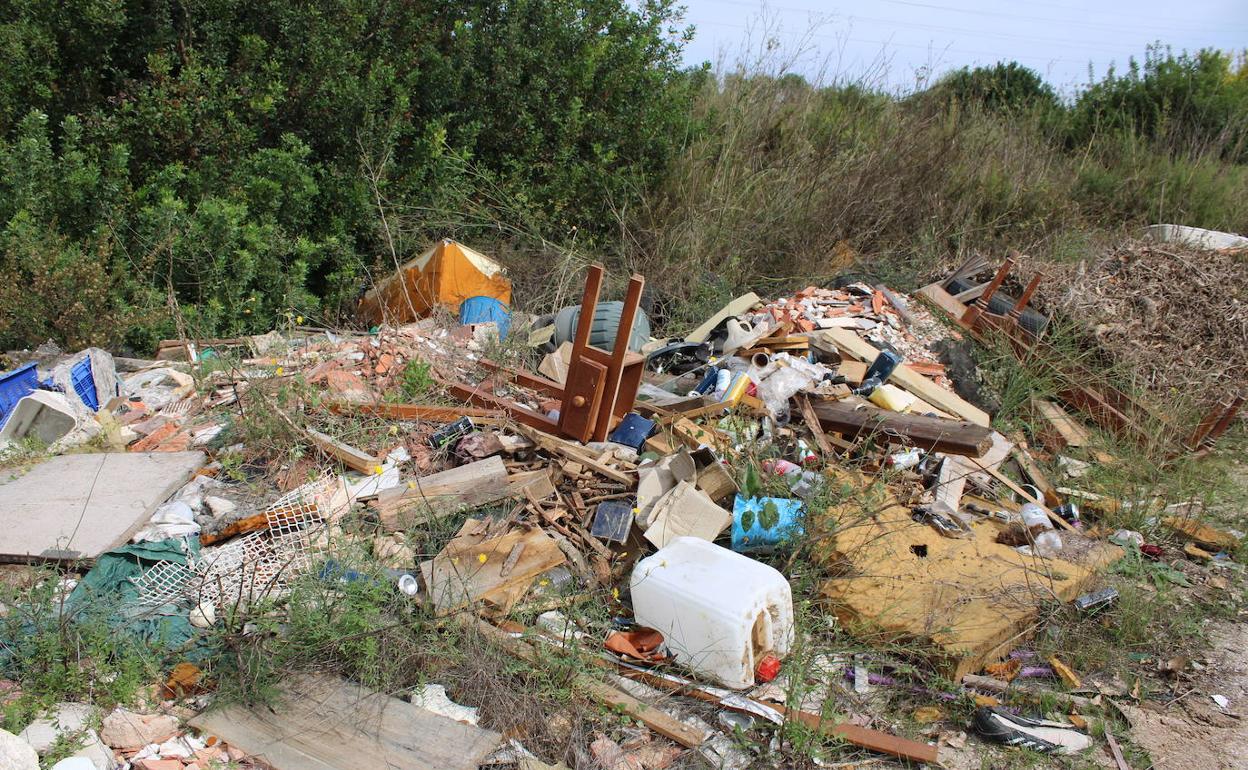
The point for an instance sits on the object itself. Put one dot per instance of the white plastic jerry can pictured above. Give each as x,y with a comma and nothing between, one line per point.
720,612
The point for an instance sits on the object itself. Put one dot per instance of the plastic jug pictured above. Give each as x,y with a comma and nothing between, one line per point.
720,612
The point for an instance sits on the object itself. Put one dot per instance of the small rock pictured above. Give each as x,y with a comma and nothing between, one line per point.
99,755
219,505
204,615
16,754
67,718
75,763
1222,701
125,729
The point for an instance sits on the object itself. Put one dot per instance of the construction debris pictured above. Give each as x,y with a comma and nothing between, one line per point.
816,435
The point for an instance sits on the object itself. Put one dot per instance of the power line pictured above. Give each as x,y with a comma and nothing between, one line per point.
1167,29
896,44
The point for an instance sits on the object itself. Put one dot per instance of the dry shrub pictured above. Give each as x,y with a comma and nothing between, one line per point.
1174,317
789,182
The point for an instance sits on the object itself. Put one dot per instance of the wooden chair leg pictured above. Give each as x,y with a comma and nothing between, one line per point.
619,352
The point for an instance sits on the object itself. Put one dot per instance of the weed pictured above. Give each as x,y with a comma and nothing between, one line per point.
415,383
60,656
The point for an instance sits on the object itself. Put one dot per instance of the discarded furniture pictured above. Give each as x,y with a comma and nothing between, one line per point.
1107,406
601,384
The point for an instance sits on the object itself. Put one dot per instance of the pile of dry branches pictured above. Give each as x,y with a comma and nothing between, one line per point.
1176,318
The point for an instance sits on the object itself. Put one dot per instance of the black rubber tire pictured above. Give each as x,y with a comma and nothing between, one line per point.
1001,303
606,321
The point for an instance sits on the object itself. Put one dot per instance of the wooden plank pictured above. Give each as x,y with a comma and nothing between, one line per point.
854,371
1202,534
242,526
941,300
816,430
716,409
660,721
467,570
880,742
905,377
575,453
1116,751
731,310
343,453
325,723
854,418
693,435
484,481
475,395
414,411
1070,432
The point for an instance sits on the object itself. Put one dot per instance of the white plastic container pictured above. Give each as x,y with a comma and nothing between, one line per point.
720,612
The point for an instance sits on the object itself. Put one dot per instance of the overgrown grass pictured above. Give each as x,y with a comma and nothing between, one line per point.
57,654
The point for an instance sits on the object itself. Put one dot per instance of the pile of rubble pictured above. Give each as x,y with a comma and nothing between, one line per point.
680,479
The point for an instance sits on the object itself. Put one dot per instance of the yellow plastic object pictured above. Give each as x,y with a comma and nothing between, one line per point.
445,275
737,389
889,396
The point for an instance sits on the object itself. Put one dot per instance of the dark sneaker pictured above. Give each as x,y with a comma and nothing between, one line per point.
1000,726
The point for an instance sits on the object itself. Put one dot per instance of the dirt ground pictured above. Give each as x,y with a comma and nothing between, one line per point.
1194,733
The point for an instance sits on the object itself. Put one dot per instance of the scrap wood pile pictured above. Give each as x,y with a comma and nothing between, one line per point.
1166,311
677,479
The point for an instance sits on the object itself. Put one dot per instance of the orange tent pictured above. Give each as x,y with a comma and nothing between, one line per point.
447,274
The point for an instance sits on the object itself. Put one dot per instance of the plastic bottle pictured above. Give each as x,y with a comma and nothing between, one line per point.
722,380
907,459
1048,543
1034,515
801,482
408,585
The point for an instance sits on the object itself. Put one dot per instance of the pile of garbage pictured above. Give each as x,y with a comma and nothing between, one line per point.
685,478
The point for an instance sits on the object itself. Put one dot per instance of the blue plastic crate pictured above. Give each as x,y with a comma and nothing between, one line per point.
14,386
84,384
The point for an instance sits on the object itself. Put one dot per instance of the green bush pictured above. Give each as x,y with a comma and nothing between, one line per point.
215,166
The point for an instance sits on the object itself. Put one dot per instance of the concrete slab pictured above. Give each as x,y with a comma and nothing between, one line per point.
78,506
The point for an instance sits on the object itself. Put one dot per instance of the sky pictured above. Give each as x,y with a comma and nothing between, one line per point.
899,44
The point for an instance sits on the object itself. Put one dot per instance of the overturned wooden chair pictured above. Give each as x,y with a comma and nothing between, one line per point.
601,384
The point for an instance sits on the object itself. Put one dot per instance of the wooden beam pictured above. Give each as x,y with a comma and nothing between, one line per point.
414,411
936,434
484,481
475,395
575,453
343,453
903,376
816,430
